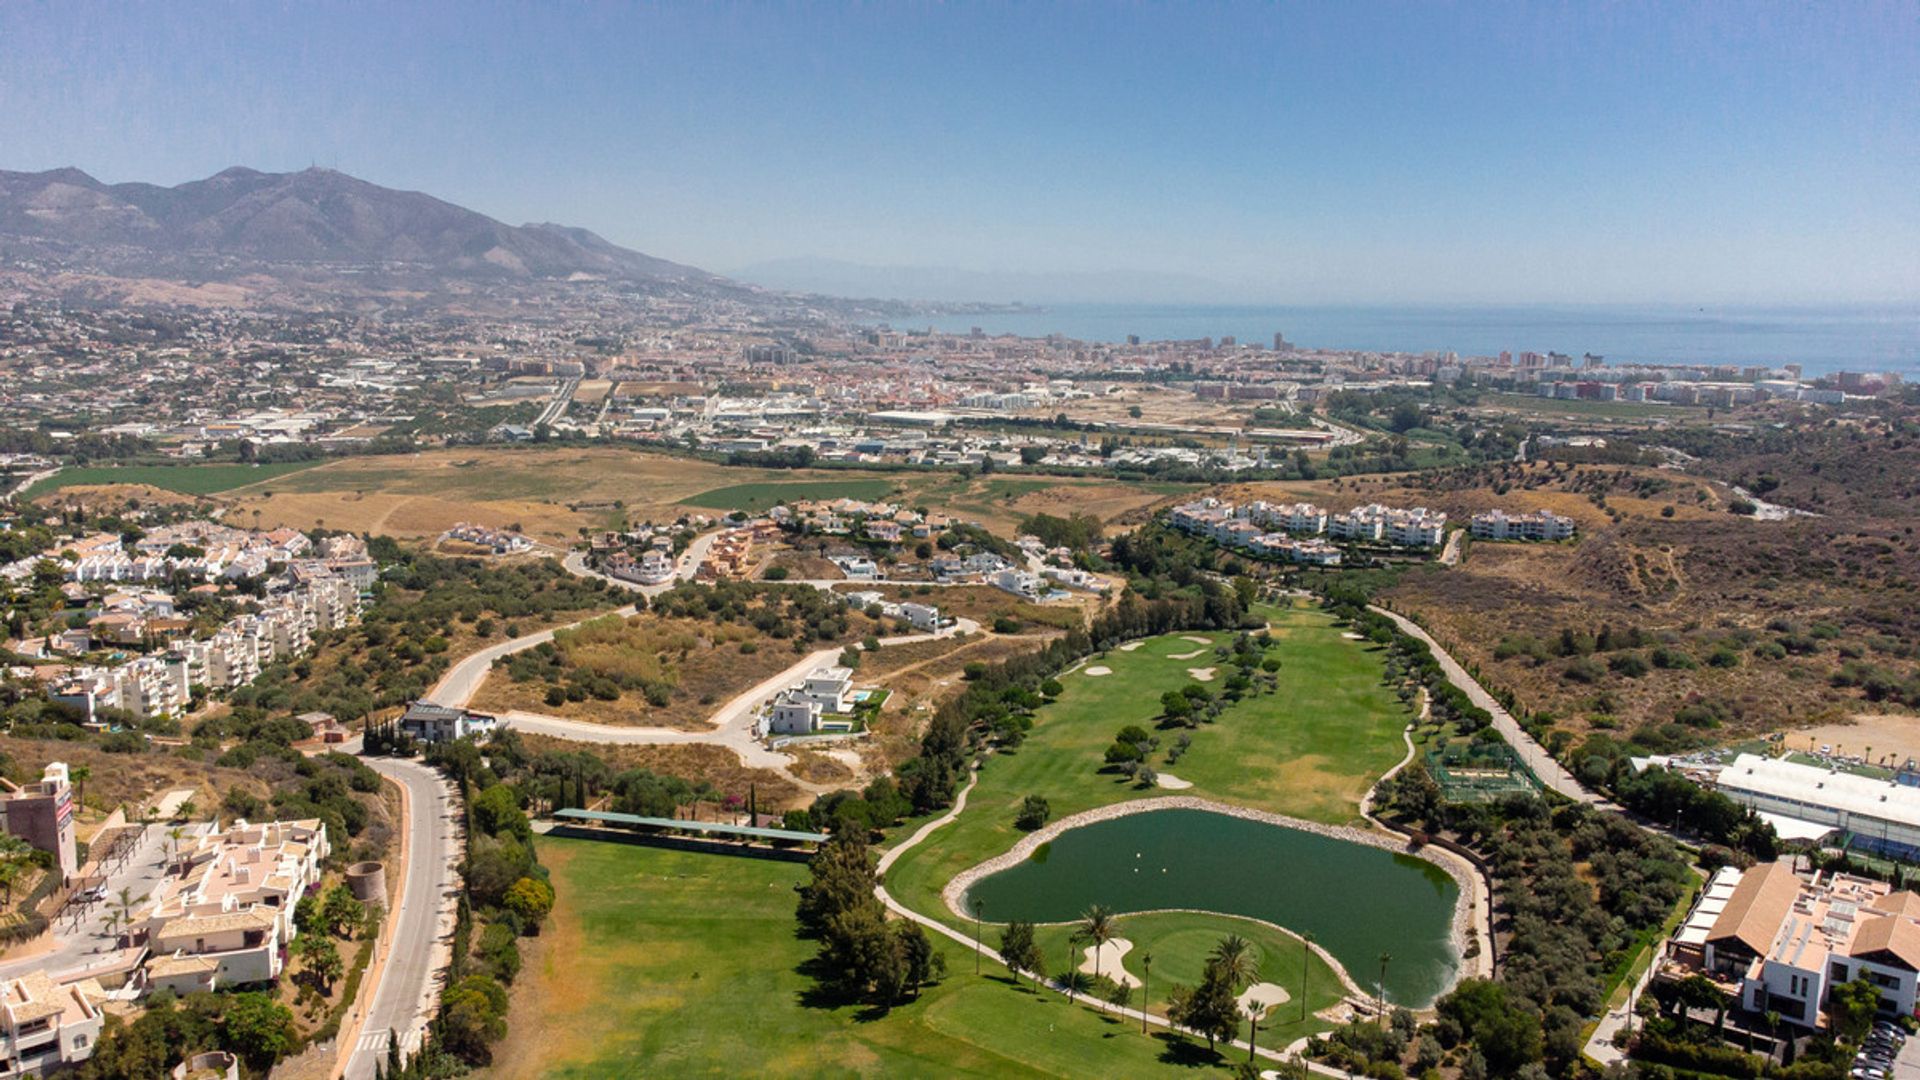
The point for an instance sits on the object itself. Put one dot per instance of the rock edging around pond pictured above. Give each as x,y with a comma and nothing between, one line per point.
1461,921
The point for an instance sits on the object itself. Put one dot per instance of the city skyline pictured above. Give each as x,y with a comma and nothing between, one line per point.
1291,155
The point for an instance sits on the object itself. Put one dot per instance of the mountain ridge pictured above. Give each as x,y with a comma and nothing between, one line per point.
316,217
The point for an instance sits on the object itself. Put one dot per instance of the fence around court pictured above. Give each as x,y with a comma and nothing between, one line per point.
1480,772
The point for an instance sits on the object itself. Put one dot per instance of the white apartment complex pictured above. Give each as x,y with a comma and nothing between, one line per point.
1539,525
1292,531
225,916
162,684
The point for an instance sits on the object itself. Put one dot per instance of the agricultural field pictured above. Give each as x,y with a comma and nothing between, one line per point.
1311,750
1640,412
675,963
551,494
180,479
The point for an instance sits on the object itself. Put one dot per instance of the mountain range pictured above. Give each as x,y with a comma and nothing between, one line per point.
313,218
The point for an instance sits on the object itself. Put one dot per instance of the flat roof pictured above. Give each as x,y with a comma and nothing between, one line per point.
607,817
1859,795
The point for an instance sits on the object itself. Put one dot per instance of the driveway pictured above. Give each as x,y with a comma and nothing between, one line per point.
90,943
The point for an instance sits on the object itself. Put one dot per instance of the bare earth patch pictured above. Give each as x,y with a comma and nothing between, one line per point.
1893,737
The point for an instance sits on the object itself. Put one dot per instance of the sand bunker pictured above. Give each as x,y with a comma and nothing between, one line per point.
1351,636
1168,780
1096,671
1110,956
1197,640
1202,674
1131,645
1264,995
1186,655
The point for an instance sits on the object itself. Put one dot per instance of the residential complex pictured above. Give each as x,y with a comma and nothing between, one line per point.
1290,531
1539,525
224,915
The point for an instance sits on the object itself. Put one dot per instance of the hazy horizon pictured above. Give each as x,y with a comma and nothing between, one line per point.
1232,154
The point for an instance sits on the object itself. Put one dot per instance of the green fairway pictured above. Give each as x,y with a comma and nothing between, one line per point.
665,963
1180,941
1599,410
1311,750
184,479
763,496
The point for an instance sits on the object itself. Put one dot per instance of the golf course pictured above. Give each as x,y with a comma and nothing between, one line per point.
691,962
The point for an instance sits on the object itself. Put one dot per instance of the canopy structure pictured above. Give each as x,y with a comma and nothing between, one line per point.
709,828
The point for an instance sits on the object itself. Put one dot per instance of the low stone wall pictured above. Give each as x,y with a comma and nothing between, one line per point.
1462,875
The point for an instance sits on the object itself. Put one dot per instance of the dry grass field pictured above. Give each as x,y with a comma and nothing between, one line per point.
1744,623
554,493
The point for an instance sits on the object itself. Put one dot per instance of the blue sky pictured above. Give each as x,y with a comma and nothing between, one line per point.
1295,152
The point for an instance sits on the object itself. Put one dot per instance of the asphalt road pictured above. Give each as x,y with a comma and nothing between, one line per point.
731,724
409,984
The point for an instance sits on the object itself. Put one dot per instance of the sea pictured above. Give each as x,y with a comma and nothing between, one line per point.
1821,340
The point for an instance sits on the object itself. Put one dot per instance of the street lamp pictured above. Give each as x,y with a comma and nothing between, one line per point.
1306,953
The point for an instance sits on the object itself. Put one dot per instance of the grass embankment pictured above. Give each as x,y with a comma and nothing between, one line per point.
1310,750
183,479
664,963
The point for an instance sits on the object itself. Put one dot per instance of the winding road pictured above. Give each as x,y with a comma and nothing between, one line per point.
1550,772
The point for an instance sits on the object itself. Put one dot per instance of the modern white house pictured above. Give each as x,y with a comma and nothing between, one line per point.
798,710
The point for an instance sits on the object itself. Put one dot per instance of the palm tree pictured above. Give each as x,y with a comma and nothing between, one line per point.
1096,926
1146,980
1237,962
1255,1011
80,774
121,916
175,834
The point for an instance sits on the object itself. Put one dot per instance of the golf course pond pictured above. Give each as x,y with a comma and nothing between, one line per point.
1357,900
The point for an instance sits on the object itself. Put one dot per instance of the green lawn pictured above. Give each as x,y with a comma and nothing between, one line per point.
763,496
1311,750
184,479
1179,943
664,963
